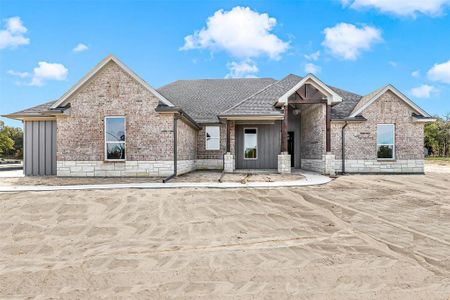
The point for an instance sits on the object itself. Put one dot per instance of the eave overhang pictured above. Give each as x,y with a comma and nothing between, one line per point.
163,109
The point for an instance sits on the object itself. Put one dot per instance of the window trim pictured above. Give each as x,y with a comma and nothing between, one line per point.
243,150
105,144
393,142
206,138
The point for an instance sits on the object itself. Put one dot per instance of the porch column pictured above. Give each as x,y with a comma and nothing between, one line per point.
284,131
284,159
228,158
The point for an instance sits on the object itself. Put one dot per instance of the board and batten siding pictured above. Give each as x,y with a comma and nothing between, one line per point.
268,146
40,148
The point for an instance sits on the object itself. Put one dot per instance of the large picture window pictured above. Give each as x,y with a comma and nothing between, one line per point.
212,138
386,141
250,143
115,138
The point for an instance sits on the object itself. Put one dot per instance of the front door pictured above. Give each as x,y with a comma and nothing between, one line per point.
291,146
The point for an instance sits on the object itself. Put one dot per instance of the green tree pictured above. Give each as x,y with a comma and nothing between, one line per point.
6,142
11,141
437,136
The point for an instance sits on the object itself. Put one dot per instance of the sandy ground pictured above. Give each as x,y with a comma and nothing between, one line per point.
359,237
197,176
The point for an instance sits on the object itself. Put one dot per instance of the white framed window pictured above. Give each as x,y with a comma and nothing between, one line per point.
386,141
115,138
250,143
212,138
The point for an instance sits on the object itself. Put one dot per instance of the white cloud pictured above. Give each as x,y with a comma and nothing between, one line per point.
243,69
401,7
393,64
18,74
13,34
423,91
48,71
313,56
240,32
80,48
312,68
347,41
415,74
440,72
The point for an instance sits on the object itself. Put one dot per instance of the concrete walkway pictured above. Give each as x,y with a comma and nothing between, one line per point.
310,179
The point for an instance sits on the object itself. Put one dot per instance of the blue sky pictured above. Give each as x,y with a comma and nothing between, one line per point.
358,45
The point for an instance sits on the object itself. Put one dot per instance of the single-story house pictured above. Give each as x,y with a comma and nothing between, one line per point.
112,123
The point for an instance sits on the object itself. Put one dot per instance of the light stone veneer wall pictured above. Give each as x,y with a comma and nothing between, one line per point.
375,166
209,164
361,139
284,163
316,165
127,168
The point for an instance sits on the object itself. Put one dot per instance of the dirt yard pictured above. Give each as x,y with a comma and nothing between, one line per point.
197,176
358,237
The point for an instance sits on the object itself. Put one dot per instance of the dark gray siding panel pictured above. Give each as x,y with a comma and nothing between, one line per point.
28,131
35,149
40,148
53,148
268,143
48,147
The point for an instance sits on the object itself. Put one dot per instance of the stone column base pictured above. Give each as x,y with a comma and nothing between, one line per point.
284,163
228,165
328,160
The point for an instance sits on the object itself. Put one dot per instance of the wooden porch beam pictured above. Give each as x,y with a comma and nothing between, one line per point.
228,137
301,97
308,101
284,131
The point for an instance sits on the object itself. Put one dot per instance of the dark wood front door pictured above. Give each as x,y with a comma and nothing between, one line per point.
291,146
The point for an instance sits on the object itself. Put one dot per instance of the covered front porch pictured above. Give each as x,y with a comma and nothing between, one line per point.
298,138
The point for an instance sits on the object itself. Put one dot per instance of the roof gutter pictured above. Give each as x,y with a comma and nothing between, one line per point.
355,119
252,117
175,145
343,146
182,113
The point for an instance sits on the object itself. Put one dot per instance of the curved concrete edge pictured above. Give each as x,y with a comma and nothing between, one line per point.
310,179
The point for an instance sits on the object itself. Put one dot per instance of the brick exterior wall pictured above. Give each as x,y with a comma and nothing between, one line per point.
186,141
361,139
312,131
312,137
80,134
149,136
202,153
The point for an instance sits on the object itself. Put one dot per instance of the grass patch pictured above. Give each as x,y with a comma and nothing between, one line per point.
435,158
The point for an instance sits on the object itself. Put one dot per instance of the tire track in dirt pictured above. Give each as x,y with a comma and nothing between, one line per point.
429,262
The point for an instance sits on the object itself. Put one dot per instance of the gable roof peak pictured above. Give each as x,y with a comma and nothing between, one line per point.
96,69
368,99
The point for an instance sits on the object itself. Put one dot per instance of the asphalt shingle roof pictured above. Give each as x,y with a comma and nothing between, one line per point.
365,99
262,102
205,99
35,110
